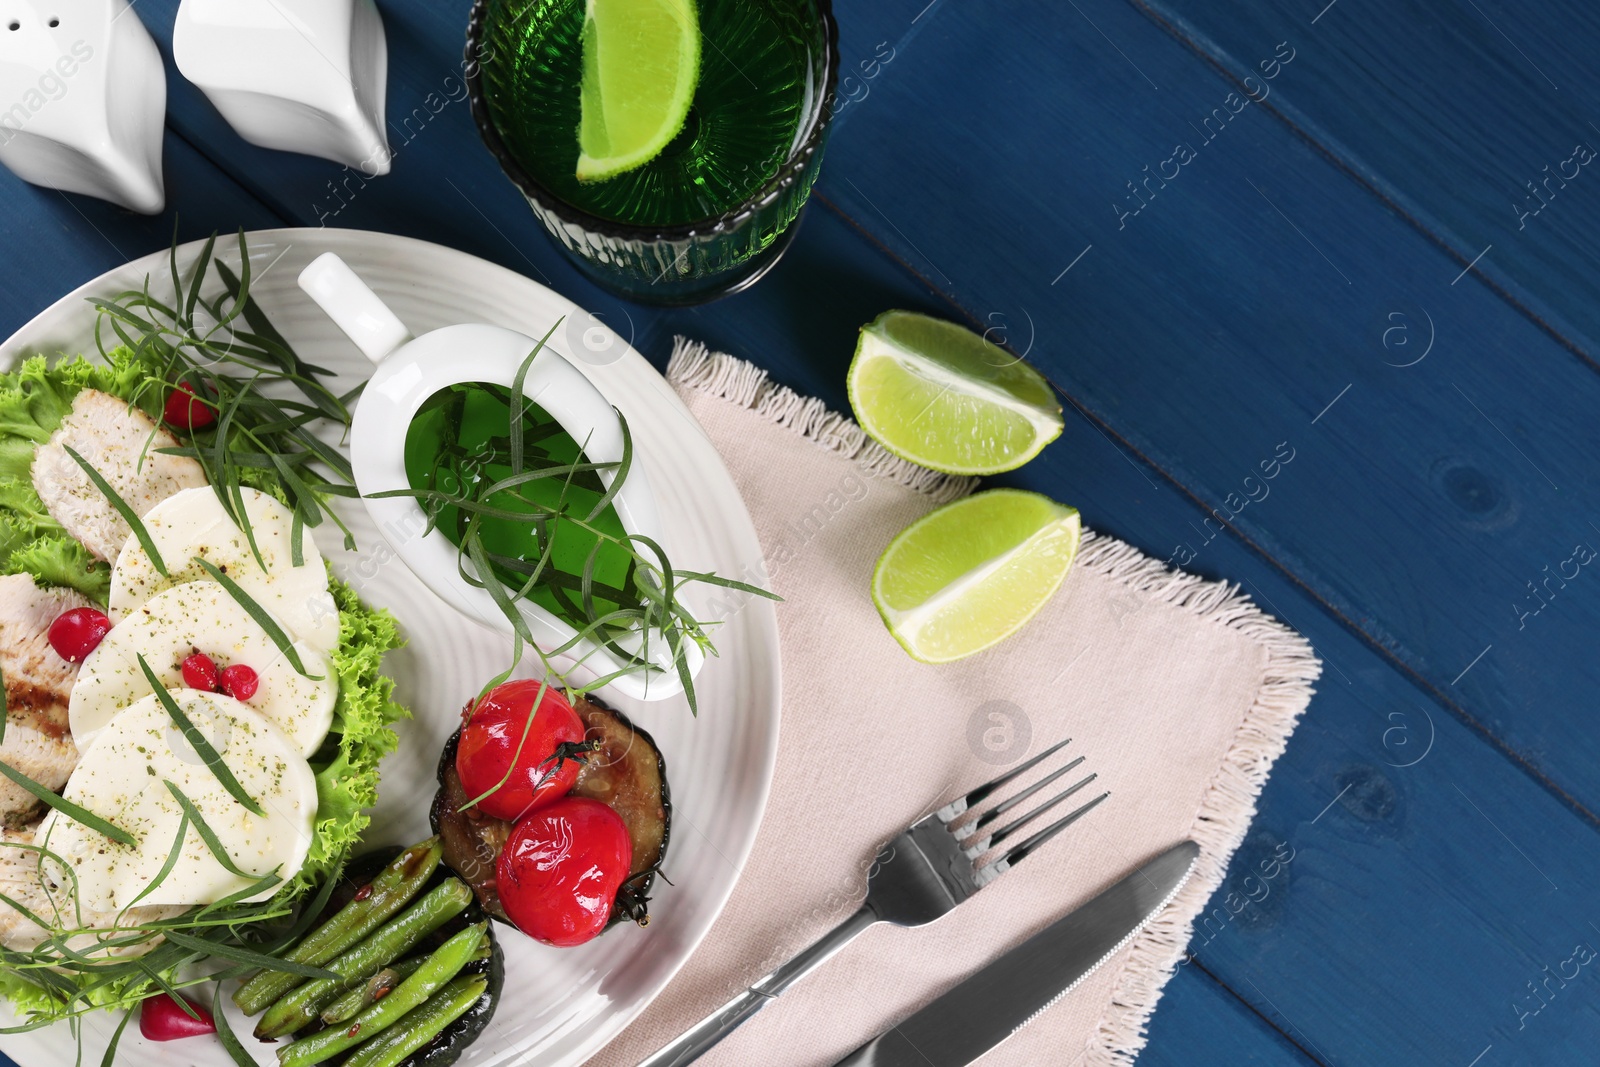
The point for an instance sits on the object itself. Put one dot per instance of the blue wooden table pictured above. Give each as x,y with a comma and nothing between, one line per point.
1359,231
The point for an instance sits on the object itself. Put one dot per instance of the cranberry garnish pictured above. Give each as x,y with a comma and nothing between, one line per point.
185,411
239,681
200,672
78,632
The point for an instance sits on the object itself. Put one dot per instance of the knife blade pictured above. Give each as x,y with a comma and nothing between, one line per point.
1003,997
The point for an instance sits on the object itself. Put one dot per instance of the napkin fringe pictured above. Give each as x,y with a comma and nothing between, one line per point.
1225,814
1290,668
747,385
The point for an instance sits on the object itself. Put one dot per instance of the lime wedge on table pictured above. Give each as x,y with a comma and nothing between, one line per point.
641,62
939,395
972,573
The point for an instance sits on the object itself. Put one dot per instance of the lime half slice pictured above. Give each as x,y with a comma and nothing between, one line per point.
939,395
971,574
641,63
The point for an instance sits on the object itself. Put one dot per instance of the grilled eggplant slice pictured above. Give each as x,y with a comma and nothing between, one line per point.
625,771
472,839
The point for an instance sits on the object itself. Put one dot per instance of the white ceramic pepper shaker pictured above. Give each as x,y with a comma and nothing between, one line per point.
83,100
297,75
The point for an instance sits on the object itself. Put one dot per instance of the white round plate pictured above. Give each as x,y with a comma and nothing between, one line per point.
560,1005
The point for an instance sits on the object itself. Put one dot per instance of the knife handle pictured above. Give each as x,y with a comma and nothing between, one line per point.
700,1038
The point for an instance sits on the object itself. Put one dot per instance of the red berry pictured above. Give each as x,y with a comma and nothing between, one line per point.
239,681
186,412
199,672
560,870
163,1019
78,632
514,761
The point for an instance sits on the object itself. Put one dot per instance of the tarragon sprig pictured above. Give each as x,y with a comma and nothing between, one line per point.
269,404
646,605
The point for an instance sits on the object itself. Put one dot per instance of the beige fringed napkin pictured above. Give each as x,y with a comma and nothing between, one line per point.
1179,692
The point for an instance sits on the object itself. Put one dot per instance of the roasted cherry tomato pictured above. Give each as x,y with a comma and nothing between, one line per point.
541,772
78,632
560,870
200,672
163,1019
240,681
185,411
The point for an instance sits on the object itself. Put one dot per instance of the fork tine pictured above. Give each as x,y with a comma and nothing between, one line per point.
991,840
1015,854
1006,805
977,796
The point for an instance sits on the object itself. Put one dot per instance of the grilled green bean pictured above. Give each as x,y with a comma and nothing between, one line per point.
371,991
300,1006
439,968
382,984
390,891
421,1025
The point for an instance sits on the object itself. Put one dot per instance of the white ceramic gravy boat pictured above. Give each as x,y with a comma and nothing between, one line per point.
409,371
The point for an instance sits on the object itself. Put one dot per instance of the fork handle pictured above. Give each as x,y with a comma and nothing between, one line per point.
698,1040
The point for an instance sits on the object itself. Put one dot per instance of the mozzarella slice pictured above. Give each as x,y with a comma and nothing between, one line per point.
193,523
122,777
202,617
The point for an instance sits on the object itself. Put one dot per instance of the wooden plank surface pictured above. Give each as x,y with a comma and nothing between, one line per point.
1480,148
1262,296
1201,1022
54,242
1199,333
1355,889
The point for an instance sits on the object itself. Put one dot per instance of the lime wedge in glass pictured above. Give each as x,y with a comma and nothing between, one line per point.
641,62
970,574
939,395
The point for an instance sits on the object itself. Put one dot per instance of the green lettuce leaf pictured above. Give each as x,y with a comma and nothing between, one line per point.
27,997
16,456
14,534
36,396
33,401
56,559
19,499
363,720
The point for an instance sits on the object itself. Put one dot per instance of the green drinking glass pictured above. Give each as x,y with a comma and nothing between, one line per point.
718,206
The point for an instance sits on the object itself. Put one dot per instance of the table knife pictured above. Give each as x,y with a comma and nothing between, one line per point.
1000,999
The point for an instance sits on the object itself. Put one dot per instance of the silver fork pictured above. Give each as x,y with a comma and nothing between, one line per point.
923,873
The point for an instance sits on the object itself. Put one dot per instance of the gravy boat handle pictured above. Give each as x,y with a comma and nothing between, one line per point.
353,307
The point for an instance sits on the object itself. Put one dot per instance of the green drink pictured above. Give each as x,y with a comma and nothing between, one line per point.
715,208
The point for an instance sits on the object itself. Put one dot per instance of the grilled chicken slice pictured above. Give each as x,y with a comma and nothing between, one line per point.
120,442
37,685
21,879
47,760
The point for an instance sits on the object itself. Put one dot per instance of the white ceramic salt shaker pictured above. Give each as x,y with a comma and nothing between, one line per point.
83,100
297,75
